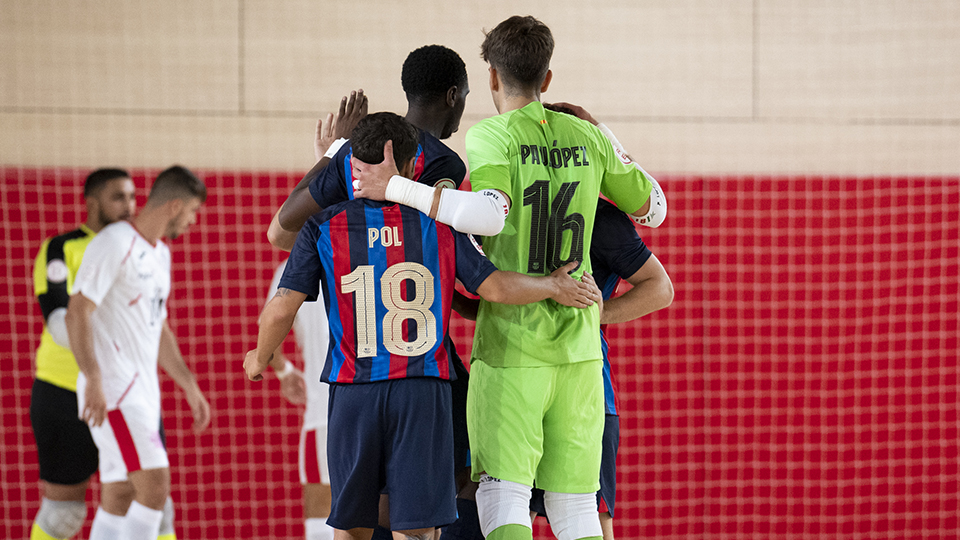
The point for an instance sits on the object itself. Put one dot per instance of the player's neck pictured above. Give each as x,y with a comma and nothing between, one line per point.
94,225
513,103
151,224
427,119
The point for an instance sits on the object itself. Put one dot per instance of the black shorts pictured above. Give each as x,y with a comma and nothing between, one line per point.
67,454
606,497
458,389
391,437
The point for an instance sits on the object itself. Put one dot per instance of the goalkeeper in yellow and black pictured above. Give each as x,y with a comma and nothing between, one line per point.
67,454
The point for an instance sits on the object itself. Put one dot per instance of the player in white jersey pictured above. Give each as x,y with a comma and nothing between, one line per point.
310,330
116,321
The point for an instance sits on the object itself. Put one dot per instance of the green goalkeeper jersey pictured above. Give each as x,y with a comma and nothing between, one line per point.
553,166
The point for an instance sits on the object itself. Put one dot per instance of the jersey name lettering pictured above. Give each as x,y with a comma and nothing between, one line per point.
558,158
388,236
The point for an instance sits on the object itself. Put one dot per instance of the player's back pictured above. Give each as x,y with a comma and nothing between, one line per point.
553,167
388,274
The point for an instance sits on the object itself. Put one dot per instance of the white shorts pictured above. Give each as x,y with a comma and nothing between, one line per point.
313,436
129,440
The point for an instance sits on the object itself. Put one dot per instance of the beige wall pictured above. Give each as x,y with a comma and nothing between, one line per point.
702,86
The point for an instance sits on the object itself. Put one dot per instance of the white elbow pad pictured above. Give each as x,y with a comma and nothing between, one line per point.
57,327
479,213
658,205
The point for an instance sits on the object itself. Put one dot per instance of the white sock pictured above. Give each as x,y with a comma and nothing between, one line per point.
105,526
317,529
141,523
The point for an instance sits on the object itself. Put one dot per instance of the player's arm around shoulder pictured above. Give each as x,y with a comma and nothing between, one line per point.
652,291
514,288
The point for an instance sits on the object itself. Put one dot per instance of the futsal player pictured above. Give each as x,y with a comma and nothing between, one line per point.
434,80
535,403
67,454
388,274
116,323
310,331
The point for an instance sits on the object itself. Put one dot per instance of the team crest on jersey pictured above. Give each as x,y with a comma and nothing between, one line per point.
445,183
56,271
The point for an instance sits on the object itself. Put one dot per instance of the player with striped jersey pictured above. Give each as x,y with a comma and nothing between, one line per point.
388,274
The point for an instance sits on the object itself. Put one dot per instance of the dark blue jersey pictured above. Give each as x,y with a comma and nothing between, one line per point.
435,165
616,252
388,273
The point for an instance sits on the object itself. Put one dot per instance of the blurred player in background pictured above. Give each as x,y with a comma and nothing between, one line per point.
66,453
310,330
117,327
389,285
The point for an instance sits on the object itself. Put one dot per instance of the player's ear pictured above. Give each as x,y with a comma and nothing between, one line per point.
174,206
546,81
407,170
452,93
494,80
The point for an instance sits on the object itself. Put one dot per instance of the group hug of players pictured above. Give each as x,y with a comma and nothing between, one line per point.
374,236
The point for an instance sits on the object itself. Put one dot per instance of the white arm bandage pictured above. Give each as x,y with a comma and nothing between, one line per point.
479,213
334,148
414,194
57,327
658,203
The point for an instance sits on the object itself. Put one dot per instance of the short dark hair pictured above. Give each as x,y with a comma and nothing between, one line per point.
520,49
430,71
374,130
177,182
99,178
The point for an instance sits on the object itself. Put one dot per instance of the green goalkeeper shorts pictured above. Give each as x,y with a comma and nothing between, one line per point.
538,426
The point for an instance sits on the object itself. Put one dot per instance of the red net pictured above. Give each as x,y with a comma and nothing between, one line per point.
803,383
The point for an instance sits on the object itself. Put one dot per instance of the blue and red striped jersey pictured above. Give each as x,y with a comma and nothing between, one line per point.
616,252
388,273
435,165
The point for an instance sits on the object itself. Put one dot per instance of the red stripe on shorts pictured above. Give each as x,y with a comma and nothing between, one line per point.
311,464
124,440
603,506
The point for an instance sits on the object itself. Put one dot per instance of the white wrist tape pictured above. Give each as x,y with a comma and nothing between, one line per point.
621,152
334,148
414,194
288,370
480,213
658,204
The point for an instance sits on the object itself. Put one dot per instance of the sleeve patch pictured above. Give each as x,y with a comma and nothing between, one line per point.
56,271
